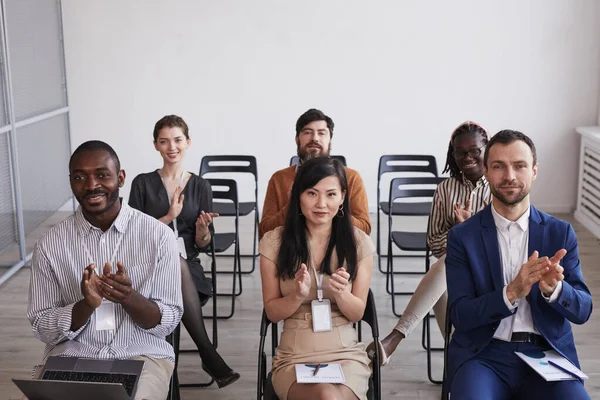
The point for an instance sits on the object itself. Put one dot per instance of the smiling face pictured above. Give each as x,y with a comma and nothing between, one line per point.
510,172
314,140
171,143
468,154
95,181
321,203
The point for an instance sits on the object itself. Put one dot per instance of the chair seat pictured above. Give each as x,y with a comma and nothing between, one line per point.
223,241
417,208
228,209
410,241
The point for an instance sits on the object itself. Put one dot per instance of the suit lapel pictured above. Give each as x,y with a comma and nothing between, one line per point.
537,233
490,242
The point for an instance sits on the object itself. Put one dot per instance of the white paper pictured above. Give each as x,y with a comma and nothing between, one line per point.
549,372
328,373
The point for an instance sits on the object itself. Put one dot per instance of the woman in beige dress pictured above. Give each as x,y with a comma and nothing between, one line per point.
317,240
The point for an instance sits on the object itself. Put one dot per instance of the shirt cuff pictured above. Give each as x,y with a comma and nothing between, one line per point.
510,307
65,316
167,319
554,296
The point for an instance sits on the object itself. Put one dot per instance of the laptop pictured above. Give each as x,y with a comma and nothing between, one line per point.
84,378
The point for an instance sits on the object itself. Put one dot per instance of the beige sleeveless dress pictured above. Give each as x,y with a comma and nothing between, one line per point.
299,344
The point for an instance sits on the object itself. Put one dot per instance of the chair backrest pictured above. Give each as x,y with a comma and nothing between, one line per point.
400,188
229,163
407,163
225,189
295,160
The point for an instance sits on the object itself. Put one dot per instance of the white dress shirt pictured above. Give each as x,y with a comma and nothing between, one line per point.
148,251
513,243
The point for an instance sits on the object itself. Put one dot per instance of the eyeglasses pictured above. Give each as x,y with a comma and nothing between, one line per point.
472,153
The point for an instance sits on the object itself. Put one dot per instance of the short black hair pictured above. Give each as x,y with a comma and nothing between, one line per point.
508,136
313,115
93,145
465,127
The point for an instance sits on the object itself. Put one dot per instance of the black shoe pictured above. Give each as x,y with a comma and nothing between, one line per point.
227,380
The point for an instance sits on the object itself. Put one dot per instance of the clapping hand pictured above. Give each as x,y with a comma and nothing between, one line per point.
462,214
302,282
551,278
339,281
115,287
203,222
90,287
176,203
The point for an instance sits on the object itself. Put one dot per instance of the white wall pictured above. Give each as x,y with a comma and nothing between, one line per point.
396,77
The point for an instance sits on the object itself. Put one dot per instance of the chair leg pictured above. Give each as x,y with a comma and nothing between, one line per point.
216,294
429,351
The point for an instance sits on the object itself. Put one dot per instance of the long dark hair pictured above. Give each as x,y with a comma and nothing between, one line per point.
465,127
294,240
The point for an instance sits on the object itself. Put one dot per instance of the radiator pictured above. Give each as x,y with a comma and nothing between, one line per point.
588,197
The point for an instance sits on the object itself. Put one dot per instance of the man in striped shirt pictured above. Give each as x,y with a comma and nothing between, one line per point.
455,200
109,260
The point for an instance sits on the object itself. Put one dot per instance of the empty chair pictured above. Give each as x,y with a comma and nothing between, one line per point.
407,188
239,165
225,191
419,165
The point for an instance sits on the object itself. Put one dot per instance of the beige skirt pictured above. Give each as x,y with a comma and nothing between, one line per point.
299,344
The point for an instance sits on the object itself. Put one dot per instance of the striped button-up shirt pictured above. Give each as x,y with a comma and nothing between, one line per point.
447,194
148,251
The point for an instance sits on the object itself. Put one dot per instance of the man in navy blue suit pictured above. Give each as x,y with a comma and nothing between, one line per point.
514,284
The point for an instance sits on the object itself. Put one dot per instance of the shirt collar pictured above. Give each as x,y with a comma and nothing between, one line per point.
481,182
503,223
120,223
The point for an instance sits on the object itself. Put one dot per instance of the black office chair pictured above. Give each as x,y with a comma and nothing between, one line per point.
295,160
405,188
226,190
418,165
242,165
264,386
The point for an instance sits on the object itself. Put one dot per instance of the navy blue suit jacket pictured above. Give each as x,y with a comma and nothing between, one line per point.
475,282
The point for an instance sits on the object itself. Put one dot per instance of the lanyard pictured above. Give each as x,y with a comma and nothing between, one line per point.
319,279
112,257
162,176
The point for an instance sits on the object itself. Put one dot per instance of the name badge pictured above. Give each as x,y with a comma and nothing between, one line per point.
105,316
181,247
321,315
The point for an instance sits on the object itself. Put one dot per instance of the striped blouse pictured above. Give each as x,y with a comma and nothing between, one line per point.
147,249
448,193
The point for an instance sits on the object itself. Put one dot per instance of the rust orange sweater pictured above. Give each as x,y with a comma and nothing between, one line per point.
278,198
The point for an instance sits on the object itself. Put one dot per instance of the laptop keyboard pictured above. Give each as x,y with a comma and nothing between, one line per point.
127,380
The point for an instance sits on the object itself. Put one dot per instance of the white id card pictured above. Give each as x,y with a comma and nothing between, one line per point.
105,316
321,315
181,247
